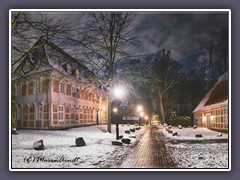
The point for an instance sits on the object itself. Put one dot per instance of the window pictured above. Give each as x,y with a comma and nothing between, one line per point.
73,89
69,69
220,118
38,88
19,112
39,112
71,110
60,112
62,87
77,73
18,90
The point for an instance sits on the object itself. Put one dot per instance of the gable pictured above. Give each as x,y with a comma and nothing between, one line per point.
47,56
217,95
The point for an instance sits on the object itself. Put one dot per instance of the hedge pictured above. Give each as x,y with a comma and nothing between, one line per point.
180,120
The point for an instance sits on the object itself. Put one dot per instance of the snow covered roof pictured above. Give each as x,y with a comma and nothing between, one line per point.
217,96
47,56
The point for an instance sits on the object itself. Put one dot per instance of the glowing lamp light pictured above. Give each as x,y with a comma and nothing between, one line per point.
141,114
139,108
115,110
146,117
118,92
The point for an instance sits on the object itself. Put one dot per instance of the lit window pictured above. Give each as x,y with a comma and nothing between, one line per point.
39,112
60,112
225,111
62,87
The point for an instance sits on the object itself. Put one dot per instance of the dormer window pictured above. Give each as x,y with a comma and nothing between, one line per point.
77,73
69,69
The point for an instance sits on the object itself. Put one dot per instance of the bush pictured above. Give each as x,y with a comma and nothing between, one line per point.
180,120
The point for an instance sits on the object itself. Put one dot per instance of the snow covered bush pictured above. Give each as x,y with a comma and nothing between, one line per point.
180,120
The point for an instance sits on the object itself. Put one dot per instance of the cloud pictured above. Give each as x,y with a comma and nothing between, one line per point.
181,33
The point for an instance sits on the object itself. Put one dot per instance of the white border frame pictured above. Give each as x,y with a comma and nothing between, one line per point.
121,10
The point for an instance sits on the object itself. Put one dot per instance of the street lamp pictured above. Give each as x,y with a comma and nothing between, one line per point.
117,93
140,116
115,111
146,118
139,108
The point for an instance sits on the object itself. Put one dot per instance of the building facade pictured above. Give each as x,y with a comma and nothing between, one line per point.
55,92
212,111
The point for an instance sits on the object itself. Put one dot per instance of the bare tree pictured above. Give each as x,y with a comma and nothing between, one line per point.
106,46
103,42
163,74
28,27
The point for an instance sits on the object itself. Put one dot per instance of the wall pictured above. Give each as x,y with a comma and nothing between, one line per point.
218,117
58,108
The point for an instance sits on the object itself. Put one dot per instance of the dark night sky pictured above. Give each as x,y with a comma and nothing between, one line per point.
181,32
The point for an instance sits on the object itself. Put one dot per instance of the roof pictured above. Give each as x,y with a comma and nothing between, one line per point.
47,56
218,94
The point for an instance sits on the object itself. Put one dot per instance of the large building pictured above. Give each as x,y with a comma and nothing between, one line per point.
212,111
52,90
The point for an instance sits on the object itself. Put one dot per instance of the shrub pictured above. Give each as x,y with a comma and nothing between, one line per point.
180,120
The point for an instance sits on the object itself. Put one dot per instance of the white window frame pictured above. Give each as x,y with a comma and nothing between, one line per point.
73,89
62,87
39,112
38,86
71,110
19,113
60,112
18,90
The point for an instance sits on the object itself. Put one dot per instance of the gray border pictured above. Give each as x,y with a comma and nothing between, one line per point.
205,4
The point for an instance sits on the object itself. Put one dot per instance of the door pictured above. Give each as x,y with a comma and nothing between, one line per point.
208,121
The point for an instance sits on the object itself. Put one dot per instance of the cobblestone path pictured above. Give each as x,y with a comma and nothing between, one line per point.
149,152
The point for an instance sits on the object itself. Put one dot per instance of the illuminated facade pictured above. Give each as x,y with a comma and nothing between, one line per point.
55,91
212,111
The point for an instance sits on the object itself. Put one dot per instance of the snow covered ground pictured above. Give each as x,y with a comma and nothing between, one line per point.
61,151
186,150
189,134
191,152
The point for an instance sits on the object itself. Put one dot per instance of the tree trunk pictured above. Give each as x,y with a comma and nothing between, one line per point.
109,115
162,112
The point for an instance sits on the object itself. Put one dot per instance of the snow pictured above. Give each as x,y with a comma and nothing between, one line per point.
189,134
202,106
213,155
191,152
216,105
186,150
60,144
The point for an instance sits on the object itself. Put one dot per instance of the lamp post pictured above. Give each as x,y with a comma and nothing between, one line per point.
139,110
118,93
141,115
146,118
115,111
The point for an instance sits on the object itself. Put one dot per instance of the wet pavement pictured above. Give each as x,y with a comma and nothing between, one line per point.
150,151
